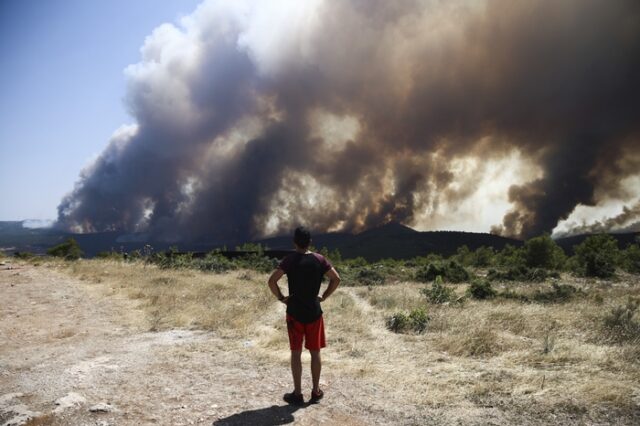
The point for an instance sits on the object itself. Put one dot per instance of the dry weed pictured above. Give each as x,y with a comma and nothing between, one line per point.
523,358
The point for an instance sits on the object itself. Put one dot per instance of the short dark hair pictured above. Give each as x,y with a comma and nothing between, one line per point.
302,237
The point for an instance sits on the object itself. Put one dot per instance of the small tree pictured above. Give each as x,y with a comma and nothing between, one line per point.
483,257
69,250
597,256
631,258
463,255
543,252
510,256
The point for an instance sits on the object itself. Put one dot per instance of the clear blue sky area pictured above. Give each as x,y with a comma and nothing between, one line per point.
62,89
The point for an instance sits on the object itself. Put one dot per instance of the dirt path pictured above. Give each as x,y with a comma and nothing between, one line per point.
68,355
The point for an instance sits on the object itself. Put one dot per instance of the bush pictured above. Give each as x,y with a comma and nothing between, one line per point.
112,255
215,262
69,250
257,263
559,293
438,293
429,273
631,259
521,273
416,321
483,257
622,324
451,271
24,255
481,289
509,256
369,276
597,256
543,252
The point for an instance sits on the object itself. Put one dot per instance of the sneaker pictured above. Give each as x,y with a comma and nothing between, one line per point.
316,397
293,398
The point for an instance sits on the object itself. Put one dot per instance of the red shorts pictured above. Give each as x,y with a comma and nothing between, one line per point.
312,334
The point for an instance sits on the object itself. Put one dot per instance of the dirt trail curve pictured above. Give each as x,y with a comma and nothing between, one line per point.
71,356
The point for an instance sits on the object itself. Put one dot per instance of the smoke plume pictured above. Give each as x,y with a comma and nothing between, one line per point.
254,116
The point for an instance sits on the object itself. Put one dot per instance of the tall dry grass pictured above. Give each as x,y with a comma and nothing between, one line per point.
527,359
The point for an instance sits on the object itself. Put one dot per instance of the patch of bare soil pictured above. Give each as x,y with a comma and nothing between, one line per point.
71,356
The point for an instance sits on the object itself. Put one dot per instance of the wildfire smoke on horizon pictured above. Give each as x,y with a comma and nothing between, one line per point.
254,116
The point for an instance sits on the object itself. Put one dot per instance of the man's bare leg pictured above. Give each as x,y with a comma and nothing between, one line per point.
296,371
316,367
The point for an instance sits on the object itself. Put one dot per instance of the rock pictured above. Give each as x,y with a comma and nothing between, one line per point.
102,407
70,400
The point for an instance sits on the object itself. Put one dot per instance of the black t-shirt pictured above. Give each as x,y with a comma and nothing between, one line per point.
304,273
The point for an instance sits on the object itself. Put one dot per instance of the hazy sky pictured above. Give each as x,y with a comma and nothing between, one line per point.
62,87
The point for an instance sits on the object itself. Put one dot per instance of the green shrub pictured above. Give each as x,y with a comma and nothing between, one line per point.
597,256
429,272
24,255
463,255
369,276
112,255
451,271
631,259
559,293
355,262
439,293
69,250
215,262
622,323
256,262
483,257
416,321
543,252
481,289
521,273
509,256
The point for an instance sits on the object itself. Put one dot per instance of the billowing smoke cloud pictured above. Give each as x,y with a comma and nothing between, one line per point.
255,116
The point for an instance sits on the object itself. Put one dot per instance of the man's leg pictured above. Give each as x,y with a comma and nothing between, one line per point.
296,371
316,367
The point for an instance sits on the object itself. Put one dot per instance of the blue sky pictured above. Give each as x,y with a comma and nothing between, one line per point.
62,87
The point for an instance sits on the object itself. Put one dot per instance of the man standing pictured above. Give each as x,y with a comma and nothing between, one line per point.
304,270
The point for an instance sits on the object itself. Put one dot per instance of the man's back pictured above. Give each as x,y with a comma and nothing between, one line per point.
304,273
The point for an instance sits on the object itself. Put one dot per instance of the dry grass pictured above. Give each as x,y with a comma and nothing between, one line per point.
526,359
228,302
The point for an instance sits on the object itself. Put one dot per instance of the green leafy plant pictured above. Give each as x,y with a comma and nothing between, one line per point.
415,321
438,293
631,259
622,323
597,256
521,273
543,252
69,250
481,289
370,276
451,271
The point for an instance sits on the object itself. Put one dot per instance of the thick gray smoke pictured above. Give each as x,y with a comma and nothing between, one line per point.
255,116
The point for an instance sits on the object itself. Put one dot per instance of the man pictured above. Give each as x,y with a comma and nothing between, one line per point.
304,270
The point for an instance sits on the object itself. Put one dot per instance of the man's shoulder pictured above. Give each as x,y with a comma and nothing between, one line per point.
323,261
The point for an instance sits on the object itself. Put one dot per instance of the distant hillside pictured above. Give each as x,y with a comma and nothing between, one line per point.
397,241
392,240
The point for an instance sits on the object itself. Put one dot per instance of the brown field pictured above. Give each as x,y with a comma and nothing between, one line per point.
186,347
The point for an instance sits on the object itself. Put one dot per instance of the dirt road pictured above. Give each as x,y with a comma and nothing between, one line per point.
69,355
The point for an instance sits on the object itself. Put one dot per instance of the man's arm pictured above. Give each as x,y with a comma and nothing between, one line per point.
334,280
273,285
